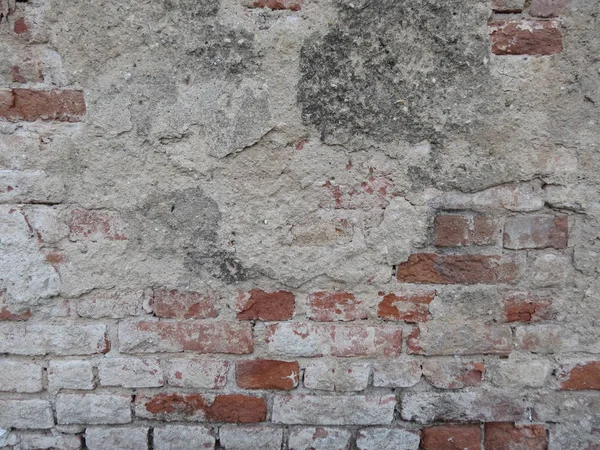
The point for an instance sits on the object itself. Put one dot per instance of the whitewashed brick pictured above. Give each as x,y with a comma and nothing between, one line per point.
116,438
75,374
26,414
93,409
319,438
130,372
401,372
178,437
19,376
113,305
37,441
334,410
262,437
338,376
387,439
197,373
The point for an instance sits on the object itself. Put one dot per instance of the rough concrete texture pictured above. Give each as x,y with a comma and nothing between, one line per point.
328,224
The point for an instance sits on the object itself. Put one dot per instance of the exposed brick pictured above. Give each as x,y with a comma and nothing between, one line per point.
334,410
26,414
461,406
250,437
196,373
71,374
96,225
409,308
527,307
508,436
525,37
460,339
319,438
403,372
307,339
44,339
260,305
28,104
451,437
175,437
20,26
536,232
267,374
199,337
93,409
130,372
387,439
508,5
456,230
332,306
581,377
292,5
20,376
117,438
452,374
234,408
457,269
337,376
176,304
112,305
548,8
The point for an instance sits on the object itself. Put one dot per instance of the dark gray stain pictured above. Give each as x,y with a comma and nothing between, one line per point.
396,70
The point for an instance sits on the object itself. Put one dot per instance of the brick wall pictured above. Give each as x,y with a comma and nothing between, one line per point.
193,256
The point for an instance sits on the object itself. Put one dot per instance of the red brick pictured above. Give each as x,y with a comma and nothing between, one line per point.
332,306
16,75
234,408
583,376
536,232
457,269
525,37
310,339
175,304
508,436
451,437
455,230
410,308
292,5
65,105
195,336
260,305
527,307
548,8
20,26
453,374
96,225
267,374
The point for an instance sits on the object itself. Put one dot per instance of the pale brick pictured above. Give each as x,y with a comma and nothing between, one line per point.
337,376
453,374
334,410
525,372
75,374
61,340
37,441
567,406
401,372
553,338
27,414
113,305
30,186
306,339
551,269
250,437
387,439
197,373
439,338
19,376
178,437
427,407
130,372
94,409
116,438
319,438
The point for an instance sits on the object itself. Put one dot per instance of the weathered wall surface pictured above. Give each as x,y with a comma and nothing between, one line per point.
294,224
